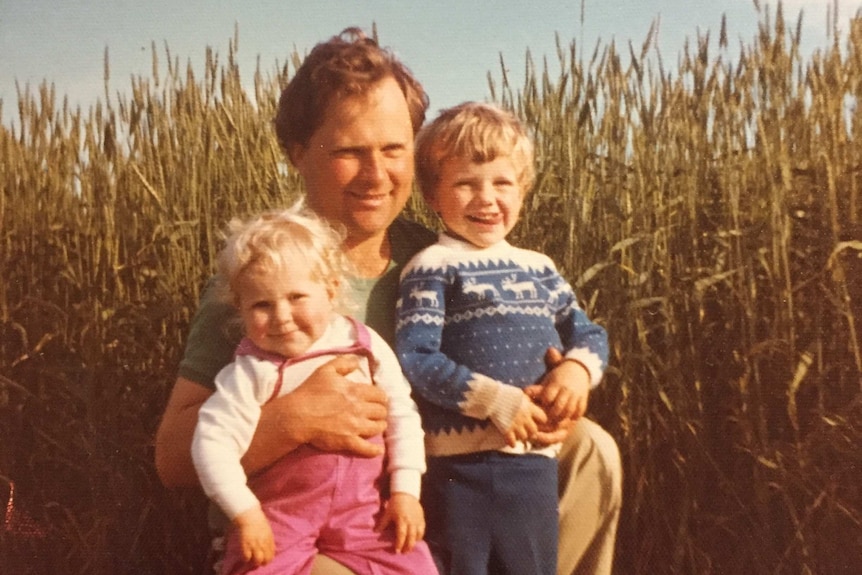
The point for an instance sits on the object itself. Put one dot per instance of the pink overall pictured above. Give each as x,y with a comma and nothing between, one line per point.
324,502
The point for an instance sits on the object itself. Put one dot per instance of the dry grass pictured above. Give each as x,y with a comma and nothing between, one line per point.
710,216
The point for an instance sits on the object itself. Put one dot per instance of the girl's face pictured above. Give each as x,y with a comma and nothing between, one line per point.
284,310
478,202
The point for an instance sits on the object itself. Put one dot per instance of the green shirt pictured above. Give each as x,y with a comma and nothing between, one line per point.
215,329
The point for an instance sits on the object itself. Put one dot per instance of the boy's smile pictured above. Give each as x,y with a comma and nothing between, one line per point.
478,202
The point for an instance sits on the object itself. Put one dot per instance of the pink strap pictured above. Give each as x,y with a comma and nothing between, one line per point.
362,346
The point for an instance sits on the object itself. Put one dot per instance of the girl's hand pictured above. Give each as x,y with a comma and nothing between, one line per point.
526,422
405,512
255,536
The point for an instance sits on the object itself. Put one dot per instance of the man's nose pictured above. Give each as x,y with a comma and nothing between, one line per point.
374,167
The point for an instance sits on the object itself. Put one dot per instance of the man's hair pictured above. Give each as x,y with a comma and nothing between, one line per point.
475,131
272,238
345,65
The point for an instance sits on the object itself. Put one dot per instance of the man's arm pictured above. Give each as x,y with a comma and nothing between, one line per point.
327,411
174,435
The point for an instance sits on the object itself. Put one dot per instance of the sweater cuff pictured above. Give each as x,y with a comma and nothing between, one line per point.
406,481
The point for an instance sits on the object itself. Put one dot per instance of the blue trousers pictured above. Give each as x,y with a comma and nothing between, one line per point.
492,513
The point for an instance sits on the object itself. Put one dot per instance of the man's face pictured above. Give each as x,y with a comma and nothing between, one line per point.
358,165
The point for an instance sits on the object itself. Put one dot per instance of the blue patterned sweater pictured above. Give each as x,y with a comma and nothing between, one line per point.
472,330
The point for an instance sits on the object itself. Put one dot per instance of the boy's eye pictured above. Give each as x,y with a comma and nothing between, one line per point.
297,296
261,305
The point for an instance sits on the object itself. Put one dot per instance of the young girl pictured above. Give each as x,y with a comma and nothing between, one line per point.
282,271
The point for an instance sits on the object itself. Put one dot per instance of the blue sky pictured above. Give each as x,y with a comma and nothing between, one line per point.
450,45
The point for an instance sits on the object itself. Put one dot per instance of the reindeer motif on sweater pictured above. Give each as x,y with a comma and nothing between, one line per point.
473,325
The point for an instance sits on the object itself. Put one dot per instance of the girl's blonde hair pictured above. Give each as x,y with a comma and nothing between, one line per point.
477,131
273,238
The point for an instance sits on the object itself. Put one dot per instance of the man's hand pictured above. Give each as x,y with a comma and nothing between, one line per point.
333,413
563,393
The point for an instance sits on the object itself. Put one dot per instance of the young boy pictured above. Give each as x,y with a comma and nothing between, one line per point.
475,318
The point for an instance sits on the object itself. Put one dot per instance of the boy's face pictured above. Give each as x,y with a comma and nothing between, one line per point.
283,308
478,202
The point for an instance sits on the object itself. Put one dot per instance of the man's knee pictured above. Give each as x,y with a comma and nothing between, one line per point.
590,453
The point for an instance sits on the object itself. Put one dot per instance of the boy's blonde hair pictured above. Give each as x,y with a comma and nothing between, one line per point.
271,237
480,132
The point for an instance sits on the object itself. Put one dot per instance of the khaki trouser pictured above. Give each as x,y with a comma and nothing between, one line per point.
590,501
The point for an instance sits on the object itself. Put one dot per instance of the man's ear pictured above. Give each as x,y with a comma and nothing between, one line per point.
296,153
431,199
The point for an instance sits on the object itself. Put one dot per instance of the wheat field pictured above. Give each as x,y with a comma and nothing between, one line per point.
708,213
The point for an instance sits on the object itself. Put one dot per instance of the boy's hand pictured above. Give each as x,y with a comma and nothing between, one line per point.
255,536
526,422
405,512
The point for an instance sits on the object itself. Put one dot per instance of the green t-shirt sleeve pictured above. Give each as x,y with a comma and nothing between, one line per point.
213,337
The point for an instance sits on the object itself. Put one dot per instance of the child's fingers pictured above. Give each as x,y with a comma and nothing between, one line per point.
409,534
409,540
401,533
385,520
259,552
536,418
511,438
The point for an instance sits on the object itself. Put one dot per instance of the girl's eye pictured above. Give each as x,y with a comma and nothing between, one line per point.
297,296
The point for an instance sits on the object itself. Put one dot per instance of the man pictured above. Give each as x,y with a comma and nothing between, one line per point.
346,122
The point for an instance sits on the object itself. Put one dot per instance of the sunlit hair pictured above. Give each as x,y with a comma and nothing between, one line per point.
346,65
275,238
475,131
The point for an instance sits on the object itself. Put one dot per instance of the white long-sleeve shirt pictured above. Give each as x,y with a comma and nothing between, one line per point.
228,419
